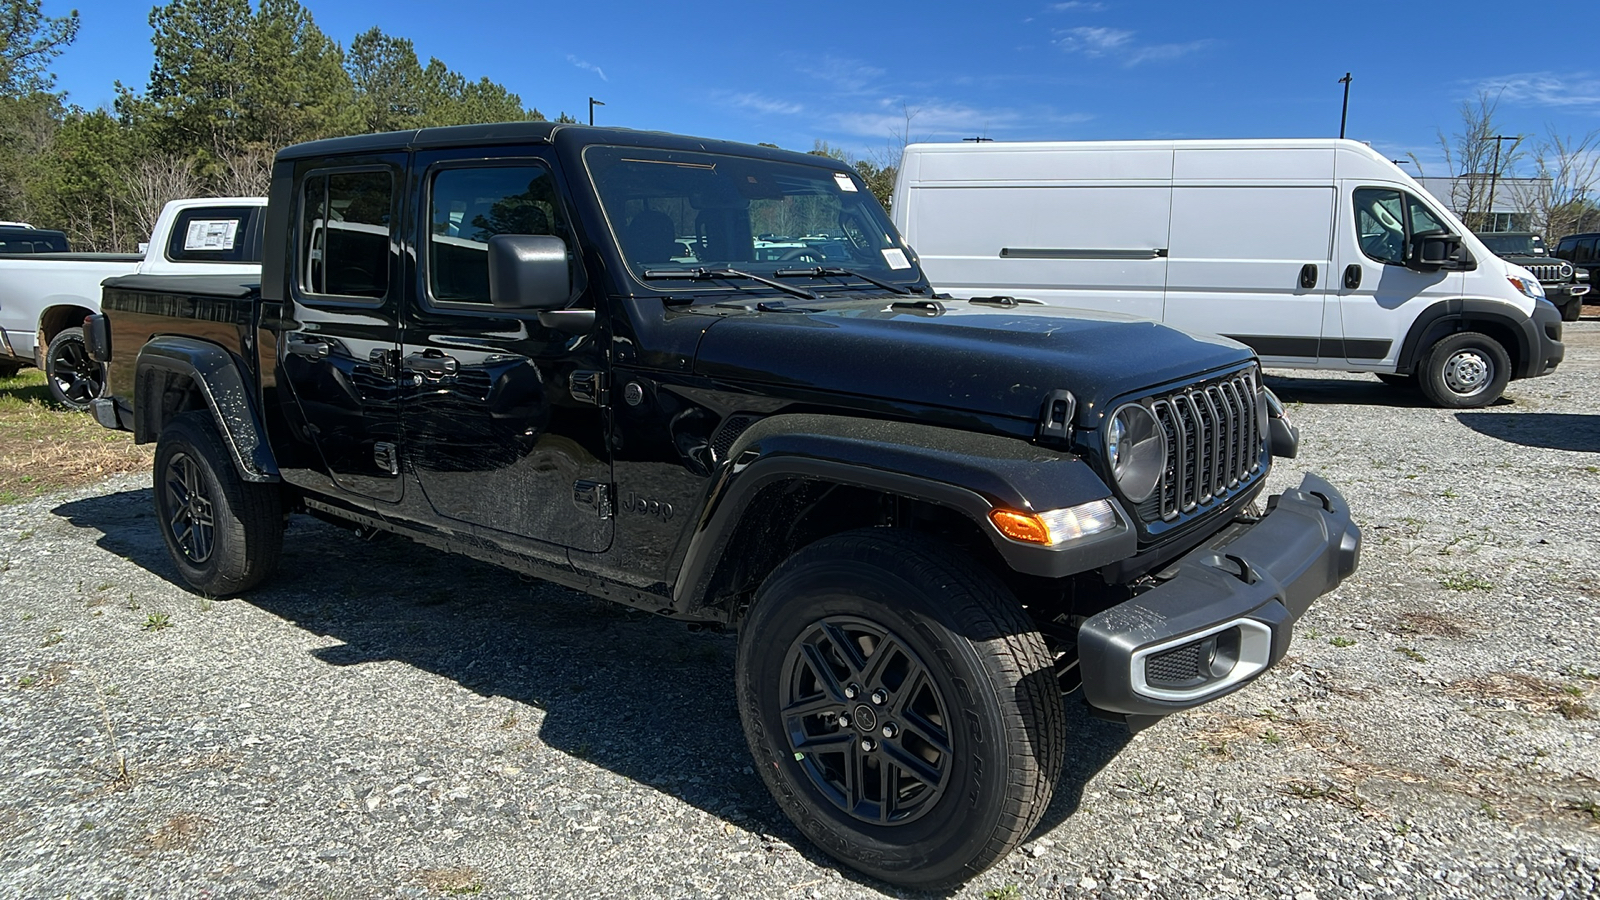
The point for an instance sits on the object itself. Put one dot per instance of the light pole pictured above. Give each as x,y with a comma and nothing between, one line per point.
592,104
1345,112
1494,173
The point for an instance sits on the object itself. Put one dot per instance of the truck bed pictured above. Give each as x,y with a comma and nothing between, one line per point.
216,308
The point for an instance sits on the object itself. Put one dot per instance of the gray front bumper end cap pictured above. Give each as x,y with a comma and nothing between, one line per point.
1225,610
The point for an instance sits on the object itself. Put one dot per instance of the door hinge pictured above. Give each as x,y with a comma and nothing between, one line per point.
589,387
383,453
593,495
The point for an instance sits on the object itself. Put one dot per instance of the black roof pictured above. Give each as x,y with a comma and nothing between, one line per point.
535,133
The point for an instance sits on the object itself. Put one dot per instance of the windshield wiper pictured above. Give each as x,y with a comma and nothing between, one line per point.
819,271
705,274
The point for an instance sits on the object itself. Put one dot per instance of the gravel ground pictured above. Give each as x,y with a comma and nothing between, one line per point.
384,720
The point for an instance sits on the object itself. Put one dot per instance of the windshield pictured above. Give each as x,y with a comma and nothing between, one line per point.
1514,244
677,211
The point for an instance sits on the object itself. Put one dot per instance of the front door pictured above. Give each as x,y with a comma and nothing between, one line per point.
503,416
335,346
1378,296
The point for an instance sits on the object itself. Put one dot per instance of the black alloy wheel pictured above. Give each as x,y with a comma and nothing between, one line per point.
865,722
224,534
901,706
73,376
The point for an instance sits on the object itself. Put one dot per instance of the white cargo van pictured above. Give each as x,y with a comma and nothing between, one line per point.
1316,253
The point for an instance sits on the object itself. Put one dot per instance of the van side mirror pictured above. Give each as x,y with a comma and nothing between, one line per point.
529,271
1431,251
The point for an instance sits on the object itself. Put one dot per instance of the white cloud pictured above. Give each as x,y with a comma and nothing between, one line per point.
587,66
846,75
1077,6
764,104
1118,43
887,119
1578,91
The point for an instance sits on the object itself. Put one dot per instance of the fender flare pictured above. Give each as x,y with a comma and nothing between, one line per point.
216,375
1449,316
966,472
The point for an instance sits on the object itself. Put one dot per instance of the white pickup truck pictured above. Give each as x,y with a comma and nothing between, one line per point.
44,297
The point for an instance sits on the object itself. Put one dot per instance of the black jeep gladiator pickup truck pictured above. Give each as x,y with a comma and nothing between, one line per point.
564,350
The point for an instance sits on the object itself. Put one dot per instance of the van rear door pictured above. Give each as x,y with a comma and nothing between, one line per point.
1253,259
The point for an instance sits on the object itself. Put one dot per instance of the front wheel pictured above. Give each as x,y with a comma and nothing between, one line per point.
73,376
901,706
1465,370
224,534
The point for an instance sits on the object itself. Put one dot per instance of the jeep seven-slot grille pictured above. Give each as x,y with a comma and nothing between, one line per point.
1550,271
1213,444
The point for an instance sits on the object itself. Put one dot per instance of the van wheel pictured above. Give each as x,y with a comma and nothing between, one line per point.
901,706
73,376
1465,370
224,534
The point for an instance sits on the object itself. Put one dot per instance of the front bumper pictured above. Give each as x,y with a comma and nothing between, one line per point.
1548,349
1235,598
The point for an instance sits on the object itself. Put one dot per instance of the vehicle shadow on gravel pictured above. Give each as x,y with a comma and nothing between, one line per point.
641,696
1578,432
1349,392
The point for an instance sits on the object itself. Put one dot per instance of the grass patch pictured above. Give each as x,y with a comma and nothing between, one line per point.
157,621
1340,640
1536,695
1465,583
1411,654
45,448
454,882
1009,892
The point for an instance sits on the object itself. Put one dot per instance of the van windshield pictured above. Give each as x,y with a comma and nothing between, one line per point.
1514,244
677,211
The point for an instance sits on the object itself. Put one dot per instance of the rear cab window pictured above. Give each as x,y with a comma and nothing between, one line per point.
216,234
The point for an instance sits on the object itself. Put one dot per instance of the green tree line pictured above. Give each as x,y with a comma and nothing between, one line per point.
228,88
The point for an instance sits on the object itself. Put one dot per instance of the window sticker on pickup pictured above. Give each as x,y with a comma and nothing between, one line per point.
211,234
845,184
896,258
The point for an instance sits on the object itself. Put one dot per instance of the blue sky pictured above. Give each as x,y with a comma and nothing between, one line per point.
1077,70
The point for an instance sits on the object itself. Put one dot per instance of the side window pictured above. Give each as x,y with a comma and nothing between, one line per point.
1585,251
467,206
344,234
1380,224
1422,218
214,234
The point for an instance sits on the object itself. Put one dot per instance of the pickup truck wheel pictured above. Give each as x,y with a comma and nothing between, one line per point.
74,377
1464,370
901,706
224,533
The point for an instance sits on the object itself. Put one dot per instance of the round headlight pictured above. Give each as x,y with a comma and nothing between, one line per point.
1136,451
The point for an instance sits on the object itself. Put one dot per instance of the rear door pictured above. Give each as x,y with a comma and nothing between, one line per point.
338,342
505,422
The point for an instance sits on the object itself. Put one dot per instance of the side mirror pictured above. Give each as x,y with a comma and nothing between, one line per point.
529,271
1433,250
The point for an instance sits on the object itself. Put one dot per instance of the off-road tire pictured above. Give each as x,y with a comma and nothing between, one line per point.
1445,374
979,650
246,518
73,377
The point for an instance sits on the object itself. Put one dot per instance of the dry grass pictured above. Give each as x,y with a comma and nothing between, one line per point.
181,832
1225,732
1432,624
457,880
1534,694
46,448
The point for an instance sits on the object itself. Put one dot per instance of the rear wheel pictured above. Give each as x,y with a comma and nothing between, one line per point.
901,706
224,533
1465,370
73,376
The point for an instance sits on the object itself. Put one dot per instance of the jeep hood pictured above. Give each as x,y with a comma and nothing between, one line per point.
978,359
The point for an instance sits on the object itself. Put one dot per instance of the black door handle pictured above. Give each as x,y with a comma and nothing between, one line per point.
432,362
310,349
1352,276
1308,276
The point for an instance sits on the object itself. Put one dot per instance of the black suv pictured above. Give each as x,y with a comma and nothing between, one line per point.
556,348
1583,252
1564,285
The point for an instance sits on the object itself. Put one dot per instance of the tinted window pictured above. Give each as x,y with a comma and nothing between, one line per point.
32,240
344,234
1380,224
469,206
216,234
1585,251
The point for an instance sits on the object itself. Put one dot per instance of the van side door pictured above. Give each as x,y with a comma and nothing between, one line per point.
505,417
1252,261
1379,297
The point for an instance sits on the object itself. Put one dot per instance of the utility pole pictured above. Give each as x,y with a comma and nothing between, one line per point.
592,104
1494,172
1345,112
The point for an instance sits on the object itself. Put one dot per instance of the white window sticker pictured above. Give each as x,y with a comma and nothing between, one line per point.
845,182
211,234
896,258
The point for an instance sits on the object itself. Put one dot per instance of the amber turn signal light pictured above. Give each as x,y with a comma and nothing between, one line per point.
1029,529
